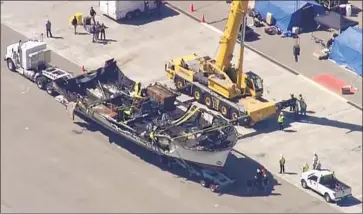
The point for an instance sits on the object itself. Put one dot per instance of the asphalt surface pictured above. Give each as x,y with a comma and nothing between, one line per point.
49,164
215,14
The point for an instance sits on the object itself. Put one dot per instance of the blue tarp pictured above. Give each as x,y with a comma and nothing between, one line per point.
288,14
347,49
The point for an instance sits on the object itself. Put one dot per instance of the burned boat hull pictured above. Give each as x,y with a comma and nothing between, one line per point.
180,134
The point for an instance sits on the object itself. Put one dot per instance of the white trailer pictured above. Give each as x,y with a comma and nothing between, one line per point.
31,59
326,184
118,10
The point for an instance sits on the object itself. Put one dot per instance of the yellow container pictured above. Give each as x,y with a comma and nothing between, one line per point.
79,17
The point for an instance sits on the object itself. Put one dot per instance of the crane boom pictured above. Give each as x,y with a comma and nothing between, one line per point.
228,41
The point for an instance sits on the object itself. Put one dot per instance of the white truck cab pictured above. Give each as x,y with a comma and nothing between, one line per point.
326,184
31,59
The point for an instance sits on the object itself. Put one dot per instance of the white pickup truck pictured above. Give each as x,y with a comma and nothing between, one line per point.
326,184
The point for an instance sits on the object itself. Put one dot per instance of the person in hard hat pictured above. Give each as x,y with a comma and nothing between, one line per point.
315,160
305,167
303,105
282,162
74,23
280,120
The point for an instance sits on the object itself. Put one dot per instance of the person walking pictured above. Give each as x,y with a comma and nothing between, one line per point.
92,13
280,121
296,50
48,28
74,23
282,162
302,105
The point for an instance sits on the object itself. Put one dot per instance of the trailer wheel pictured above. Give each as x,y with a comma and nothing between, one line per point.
303,184
327,197
234,114
208,101
41,82
204,183
10,64
214,188
224,109
137,13
129,15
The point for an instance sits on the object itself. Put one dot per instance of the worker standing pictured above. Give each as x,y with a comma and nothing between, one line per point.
318,165
94,33
92,13
48,28
158,6
282,164
74,23
315,160
293,101
280,121
303,105
305,167
296,51
103,31
137,90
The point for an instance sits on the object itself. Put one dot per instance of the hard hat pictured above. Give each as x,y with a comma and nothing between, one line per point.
281,156
258,170
281,113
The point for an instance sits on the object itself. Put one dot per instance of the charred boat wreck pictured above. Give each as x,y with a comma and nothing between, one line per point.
155,120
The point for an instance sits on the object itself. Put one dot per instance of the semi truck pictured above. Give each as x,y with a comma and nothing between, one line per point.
31,59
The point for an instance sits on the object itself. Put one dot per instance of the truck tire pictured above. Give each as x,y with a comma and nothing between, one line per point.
41,82
204,183
197,94
303,184
327,197
208,101
10,64
49,89
129,15
225,111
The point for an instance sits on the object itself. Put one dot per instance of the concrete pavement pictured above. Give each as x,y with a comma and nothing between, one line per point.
216,12
49,164
137,53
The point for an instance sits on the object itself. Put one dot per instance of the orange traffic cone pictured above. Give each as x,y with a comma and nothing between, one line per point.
192,8
83,69
203,19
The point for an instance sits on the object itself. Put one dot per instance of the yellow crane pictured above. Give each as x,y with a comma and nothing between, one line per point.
219,84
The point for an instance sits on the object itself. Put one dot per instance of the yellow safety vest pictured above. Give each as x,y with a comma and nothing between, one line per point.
137,89
305,168
280,119
128,112
152,135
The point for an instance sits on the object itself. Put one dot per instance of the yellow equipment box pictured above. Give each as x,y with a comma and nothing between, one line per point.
79,17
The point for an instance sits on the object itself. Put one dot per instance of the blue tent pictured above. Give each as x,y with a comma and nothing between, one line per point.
347,49
288,14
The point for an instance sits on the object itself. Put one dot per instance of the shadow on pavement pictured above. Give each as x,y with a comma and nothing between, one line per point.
238,166
270,125
165,12
349,202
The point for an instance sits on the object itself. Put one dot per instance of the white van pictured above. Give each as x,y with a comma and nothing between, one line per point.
125,9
